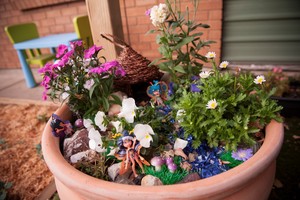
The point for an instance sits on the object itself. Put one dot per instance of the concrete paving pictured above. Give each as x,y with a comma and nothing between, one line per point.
13,85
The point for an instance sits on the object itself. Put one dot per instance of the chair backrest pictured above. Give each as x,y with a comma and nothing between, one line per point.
21,32
83,29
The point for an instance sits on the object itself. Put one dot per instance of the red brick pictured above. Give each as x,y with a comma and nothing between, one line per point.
145,3
129,3
53,13
136,11
143,20
215,34
39,16
48,22
70,11
139,29
131,21
215,25
63,20
215,14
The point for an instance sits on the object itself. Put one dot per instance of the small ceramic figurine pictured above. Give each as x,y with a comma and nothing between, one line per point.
129,152
59,127
158,92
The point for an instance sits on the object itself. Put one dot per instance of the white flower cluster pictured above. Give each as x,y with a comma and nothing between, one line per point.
159,14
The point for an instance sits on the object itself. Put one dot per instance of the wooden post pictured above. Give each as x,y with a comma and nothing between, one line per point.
105,17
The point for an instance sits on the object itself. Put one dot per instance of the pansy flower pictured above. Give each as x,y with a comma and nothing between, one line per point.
95,141
143,134
128,110
88,84
99,119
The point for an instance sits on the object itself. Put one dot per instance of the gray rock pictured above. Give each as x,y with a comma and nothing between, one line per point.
190,178
124,180
113,171
88,154
150,180
79,142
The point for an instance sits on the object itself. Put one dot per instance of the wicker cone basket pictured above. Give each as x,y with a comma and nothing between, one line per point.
138,71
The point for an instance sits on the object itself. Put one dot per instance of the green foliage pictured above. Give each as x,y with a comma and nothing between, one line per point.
243,108
95,166
179,44
4,186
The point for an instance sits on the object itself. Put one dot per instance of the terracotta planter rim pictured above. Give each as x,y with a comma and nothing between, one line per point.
248,170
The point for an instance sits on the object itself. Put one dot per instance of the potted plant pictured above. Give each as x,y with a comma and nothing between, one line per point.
287,91
196,124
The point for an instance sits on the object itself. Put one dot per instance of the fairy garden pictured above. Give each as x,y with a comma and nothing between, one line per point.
159,123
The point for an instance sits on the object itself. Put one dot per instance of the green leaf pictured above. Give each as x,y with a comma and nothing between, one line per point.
92,90
180,69
184,42
150,31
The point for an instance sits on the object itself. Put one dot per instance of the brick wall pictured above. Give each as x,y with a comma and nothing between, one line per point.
136,24
57,18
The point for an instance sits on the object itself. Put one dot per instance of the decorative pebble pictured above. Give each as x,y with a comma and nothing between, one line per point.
150,180
113,171
190,178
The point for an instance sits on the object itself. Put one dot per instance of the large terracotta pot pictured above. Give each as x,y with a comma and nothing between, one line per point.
250,180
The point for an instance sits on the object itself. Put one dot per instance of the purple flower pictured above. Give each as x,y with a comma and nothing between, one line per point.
96,70
242,154
65,58
47,68
108,65
61,50
75,44
147,13
44,95
92,51
194,88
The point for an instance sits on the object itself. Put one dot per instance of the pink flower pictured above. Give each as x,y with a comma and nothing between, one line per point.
92,51
64,60
61,50
75,44
47,68
45,95
147,13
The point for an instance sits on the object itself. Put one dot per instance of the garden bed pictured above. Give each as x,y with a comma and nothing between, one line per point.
21,126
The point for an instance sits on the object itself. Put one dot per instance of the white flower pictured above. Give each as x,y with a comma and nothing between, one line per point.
88,124
205,74
259,79
95,142
180,113
143,134
112,151
128,110
212,104
210,55
180,143
159,14
224,64
118,126
99,119
88,84
65,95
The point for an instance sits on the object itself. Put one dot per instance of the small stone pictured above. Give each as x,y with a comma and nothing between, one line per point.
192,157
150,180
190,178
79,142
123,180
113,171
88,154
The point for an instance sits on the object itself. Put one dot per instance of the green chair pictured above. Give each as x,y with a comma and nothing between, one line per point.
22,32
83,30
